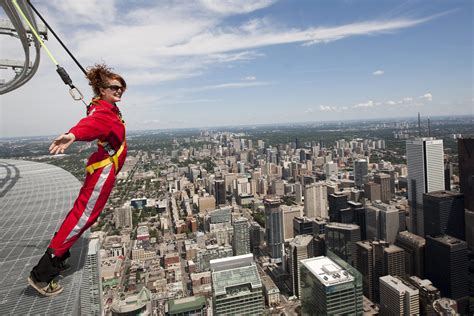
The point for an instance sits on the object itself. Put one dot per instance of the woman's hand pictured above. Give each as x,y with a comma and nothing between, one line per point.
61,143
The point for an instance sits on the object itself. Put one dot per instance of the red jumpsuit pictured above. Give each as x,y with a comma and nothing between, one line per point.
103,122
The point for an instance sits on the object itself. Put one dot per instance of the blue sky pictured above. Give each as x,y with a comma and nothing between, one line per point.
213,63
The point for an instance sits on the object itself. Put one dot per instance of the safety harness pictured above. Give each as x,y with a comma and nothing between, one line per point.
113,154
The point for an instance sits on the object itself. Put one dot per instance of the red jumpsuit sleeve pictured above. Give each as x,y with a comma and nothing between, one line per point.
95,126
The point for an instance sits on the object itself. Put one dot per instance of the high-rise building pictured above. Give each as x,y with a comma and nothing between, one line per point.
398,297
414,247
329,288
301,247
256,234
469,218
123,217
298,193
315,200
241,237
466,171
337,202
274,227
278,187
359,217
219,191
425,174
383,180
361,170
443,213
289,213
428,294
236,286
302,225
376,259
341,239
447,266
382,221
372,191
91,285
330,169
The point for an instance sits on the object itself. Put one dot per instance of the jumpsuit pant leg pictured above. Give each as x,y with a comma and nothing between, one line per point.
87,208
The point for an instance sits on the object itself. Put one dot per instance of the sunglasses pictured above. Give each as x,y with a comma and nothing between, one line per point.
115,88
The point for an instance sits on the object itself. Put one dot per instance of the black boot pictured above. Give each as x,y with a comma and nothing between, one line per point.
42,276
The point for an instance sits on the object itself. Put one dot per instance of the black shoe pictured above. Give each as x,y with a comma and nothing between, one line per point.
51,288
64,266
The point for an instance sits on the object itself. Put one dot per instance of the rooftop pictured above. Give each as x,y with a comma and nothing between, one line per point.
35,198
327,271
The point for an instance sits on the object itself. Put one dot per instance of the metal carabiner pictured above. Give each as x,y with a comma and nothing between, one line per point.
76,94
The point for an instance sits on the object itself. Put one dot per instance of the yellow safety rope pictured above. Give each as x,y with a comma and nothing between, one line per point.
107,161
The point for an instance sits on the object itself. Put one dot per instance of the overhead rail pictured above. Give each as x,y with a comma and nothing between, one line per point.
25,70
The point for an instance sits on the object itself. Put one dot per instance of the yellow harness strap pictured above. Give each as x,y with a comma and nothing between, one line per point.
107,161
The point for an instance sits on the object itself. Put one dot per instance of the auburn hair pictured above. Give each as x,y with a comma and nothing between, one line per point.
99,77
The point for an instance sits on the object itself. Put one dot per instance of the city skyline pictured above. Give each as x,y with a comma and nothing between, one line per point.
207,63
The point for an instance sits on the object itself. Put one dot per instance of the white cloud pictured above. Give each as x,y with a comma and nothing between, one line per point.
378,73
427,97
236,6
327,108
391,102
407,99
155,42
368,104
250,78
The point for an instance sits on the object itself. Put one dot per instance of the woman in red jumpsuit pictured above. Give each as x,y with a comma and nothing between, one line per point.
104,123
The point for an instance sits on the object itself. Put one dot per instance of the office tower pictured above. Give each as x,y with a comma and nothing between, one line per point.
385,189
123,217
315,200
236,286
469,218
237,145
298,193
241,237
425,174
278,187
302,225
447,266
330,169
256,235
274,227
361,169
219,191
336,201
443,213
330,288
289,213
301,247
414,247
91,284
382,221
466,171
376,259
358,210
341,239
319,226
398,297
428,294
372,191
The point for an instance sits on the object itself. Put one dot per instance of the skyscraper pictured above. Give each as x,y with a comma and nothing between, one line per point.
289,213
241,238
447,266
398,297
236,286
341,239
337,202
443,213
376,259
414,247
466,171
425,174
385,187
361,169
274,227
219,191
123,217
91,285
328,288
382,221
301,247
372,191
315,200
